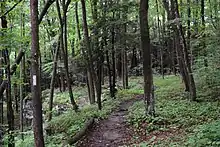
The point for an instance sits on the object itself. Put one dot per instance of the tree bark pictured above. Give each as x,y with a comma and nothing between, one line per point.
124,53
88,55
192,86
77,21
35,76
203,29
52,82
145,45
10,111
159,35
63,46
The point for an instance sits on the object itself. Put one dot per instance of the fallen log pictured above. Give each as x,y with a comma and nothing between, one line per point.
13,69
82,132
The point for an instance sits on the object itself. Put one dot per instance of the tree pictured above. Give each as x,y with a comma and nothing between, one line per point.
35,76
187,65
52,83
203,29
90,69
64,48
145,45
10,111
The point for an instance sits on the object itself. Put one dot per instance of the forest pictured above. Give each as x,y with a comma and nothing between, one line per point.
97,73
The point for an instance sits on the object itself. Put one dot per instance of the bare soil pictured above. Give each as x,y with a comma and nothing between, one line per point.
112,132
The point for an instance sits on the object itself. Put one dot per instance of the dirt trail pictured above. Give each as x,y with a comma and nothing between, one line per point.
112,132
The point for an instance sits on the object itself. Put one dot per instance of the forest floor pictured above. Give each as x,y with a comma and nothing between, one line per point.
122,121
113,131
178,121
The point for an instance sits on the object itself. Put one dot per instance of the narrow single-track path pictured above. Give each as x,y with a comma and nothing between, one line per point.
111,132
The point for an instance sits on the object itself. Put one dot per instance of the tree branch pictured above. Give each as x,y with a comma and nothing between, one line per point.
67,5
44,11
10,9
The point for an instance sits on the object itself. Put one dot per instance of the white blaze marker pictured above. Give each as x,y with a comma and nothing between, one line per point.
34,80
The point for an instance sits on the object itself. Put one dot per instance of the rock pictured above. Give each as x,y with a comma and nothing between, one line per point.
60,109
28,109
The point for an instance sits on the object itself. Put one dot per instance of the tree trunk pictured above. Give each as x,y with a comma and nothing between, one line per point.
196,3
53,80
22,77
113,61
1,81
77,21
180,61
134,60
22,95
145,45
124,53
159,35
192,86
10,112
109,74
171,10
35,76
63,46
89,54
99,52
188,31
203,29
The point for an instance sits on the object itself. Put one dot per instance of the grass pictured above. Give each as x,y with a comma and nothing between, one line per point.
183,122
175,114
69,123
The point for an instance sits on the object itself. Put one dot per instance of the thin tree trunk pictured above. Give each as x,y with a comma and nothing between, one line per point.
159,34
35,76
109,74
171,10
77,21
192,86
100,57
1,80
203,29
180,61
15,91
124,51
189,31
63,46
124,60
21,97
10,112
196,3
113,62
53,80
22,77
89,54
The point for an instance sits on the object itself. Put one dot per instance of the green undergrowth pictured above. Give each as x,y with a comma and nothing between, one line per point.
175,113
63,97
205,135
70,123
186,123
